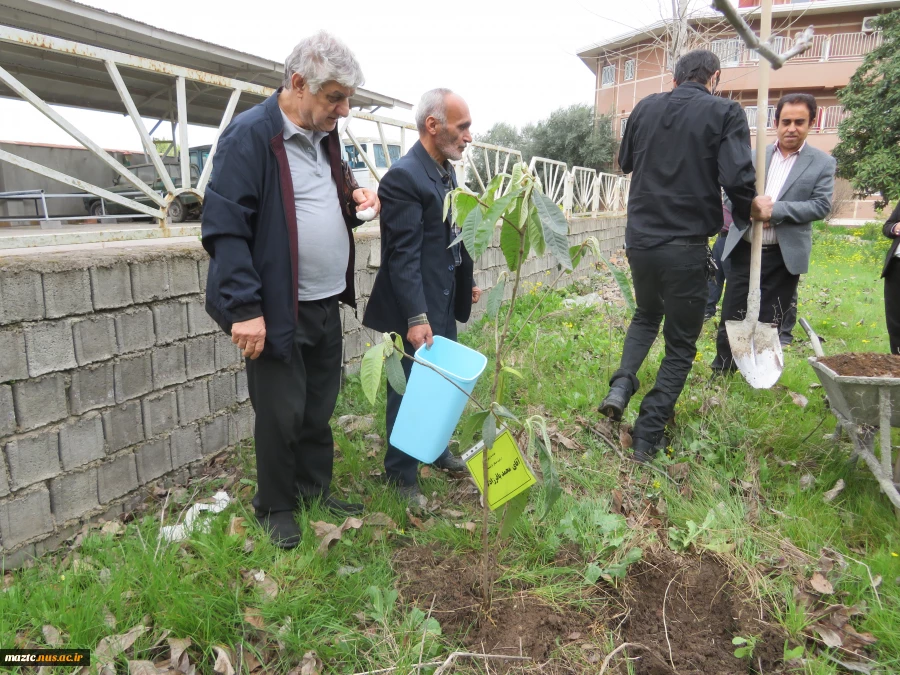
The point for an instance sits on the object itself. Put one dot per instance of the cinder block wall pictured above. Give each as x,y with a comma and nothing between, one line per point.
112,376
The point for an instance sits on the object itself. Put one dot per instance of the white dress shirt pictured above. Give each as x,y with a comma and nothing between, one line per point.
779,168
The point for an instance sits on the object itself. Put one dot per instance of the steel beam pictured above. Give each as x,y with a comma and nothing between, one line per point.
226,120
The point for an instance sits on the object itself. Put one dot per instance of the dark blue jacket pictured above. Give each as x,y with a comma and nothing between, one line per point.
249,227
417,273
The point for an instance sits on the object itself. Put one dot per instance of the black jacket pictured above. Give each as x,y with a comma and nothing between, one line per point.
892,220
681,146
417,273
249,226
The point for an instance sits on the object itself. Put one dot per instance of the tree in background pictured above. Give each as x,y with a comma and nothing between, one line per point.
868,153
569,135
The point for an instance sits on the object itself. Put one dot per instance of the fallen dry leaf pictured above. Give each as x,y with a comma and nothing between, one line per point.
679,471
253,616
573,636
223,662
237,526
820,584
265,584
113,527
426,472
830,637
113,645
834,492
799,399
52,636
347,570
145,668
177,648
249,545
351,424
330,533
311,664
451,513
806,481
625,439
470,526
380,520
109,619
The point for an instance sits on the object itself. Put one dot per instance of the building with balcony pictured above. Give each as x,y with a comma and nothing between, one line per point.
639,63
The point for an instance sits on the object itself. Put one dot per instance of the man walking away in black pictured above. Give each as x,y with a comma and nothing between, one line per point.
680,147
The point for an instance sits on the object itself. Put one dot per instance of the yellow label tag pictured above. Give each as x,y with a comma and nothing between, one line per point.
508,472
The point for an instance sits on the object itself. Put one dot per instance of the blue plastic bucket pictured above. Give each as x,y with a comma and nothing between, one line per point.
432,406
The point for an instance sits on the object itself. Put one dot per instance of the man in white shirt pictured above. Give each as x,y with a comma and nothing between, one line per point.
800,179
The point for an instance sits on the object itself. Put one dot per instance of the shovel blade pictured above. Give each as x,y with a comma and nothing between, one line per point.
757,352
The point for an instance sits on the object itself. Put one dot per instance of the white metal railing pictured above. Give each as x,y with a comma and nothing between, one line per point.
483,161
831,116
551,174
585,195
750,112
733,52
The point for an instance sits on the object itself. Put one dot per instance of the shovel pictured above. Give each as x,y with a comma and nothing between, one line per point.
755,346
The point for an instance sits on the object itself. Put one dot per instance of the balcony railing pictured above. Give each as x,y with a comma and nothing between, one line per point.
841,46
827,119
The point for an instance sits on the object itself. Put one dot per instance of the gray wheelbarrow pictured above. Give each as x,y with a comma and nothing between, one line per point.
864,407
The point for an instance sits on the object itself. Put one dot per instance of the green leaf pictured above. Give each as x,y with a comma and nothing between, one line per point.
515,507
555,228
510,241
490,193
398,342
489,431
485,228
370,372
575,253
621,280
448,199
552,489
535,233
470,228
473,424
517,170
500,411
791,654
512,371
634,554
495,297
395,375
592,574
462,204
738,641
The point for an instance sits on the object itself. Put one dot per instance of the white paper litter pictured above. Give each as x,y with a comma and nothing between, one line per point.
182,531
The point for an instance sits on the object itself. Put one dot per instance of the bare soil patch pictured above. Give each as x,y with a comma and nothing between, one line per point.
692,604
864,365
518,625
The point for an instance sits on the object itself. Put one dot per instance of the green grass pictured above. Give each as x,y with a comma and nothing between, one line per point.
742,438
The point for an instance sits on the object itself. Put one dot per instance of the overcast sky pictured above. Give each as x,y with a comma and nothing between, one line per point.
512,61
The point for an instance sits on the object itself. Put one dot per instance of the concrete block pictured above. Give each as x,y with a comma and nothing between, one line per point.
112,513
240,378
203,270
227,353
242,424
123,426
13,364
7,411
133,376
184,277
95,339
134,330
56,540
21,297
32,458
170,321
222,391
73,494
26,517
49,347
160,413
214,434
81,441
40,401
116,478
111,286
184,446
153,460
92,387
200,356
168,366
199,322
149,280
67,293
193,402
4,481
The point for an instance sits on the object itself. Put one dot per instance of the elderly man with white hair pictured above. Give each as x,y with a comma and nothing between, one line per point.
278,222
424,285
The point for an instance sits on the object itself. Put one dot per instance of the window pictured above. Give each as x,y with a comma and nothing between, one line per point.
729,51
629,69
353,157
750,112
608,75
394,151
146,174
622,127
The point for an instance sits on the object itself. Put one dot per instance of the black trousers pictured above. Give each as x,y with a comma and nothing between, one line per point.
777,289
669,281
892,303
293,403
717,283
400,468
789,321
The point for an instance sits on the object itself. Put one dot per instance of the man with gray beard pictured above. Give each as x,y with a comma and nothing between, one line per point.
424,286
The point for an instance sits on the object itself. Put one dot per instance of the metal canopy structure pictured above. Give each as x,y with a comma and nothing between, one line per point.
58,78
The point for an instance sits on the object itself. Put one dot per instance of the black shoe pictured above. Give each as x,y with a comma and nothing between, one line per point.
707,317
645,451
613,406
412,494
450,462
281,527
337,506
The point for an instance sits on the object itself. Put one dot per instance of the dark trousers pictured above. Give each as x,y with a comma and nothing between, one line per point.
777,288
789,321
293,403
892,304
400,468
717,283
669,281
